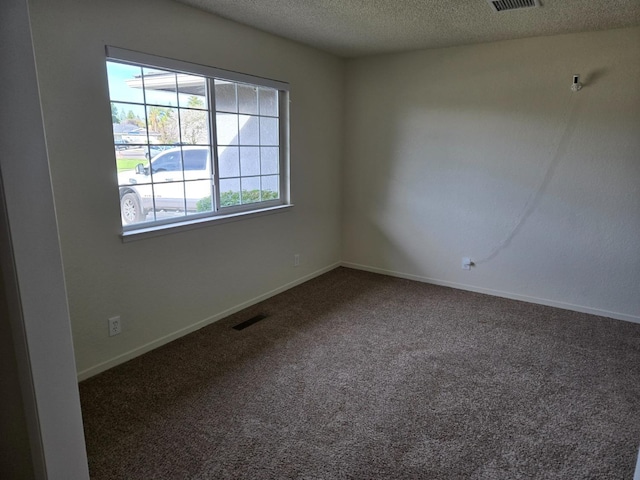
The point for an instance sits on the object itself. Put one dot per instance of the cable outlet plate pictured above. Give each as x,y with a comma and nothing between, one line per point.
115,326
466,263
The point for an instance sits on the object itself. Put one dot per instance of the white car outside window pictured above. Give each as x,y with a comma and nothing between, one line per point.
175,180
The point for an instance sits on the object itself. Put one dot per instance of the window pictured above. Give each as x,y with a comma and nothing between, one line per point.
193,142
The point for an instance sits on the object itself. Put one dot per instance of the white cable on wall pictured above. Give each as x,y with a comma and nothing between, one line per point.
536,195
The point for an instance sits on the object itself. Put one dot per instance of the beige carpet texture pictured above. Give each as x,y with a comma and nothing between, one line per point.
355,375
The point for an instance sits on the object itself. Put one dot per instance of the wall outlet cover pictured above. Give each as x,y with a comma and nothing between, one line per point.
115,326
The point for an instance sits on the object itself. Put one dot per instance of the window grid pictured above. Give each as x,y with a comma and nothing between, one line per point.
248,181
146,121
242,178
146,106
213,136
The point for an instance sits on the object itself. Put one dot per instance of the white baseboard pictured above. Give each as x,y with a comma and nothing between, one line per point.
101,367
497,293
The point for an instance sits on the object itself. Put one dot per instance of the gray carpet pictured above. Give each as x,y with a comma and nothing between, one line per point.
355,375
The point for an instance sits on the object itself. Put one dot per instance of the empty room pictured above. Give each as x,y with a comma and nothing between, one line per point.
320,240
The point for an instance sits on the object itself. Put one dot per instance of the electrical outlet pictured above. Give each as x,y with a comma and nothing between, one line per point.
115,326
296,260
466,263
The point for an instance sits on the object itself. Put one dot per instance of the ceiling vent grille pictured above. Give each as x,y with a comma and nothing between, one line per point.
506,5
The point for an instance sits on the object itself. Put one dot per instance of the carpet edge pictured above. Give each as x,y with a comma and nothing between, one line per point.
496,293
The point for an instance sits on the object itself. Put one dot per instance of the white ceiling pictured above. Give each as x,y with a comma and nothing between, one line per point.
351,28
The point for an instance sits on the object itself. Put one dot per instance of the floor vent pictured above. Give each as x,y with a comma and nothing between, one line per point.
505,5
251,321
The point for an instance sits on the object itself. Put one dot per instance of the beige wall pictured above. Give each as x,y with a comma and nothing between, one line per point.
164,286
423,158
484,151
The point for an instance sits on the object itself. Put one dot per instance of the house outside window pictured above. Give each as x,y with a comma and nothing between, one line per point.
193,142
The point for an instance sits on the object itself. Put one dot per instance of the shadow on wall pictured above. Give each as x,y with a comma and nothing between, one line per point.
594,77
537,193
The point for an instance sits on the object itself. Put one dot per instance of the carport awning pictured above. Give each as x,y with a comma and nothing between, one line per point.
188,84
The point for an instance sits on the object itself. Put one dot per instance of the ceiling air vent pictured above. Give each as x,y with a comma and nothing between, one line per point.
506,5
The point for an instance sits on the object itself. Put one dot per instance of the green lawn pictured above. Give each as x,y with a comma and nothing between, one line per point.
128,163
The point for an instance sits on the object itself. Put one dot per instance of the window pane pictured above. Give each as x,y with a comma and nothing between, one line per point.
125,83
126,163
132,205
226,99
249,161
250,189
249,134
227,128
163,125
269,131
268,102
196,162
247,99
229,192
198,195
270,187
169,197
192,91
130,136
130,177
270,161
155,150
164,214
160,87
229,162
194,125
167,167
130,124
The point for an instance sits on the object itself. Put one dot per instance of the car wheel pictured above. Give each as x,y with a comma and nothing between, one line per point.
130,208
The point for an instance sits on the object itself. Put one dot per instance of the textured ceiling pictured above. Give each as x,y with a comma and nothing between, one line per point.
352,28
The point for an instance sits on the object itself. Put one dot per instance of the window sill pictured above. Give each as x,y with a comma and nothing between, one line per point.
158,230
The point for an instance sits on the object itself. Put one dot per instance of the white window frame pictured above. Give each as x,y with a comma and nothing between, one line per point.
219,214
